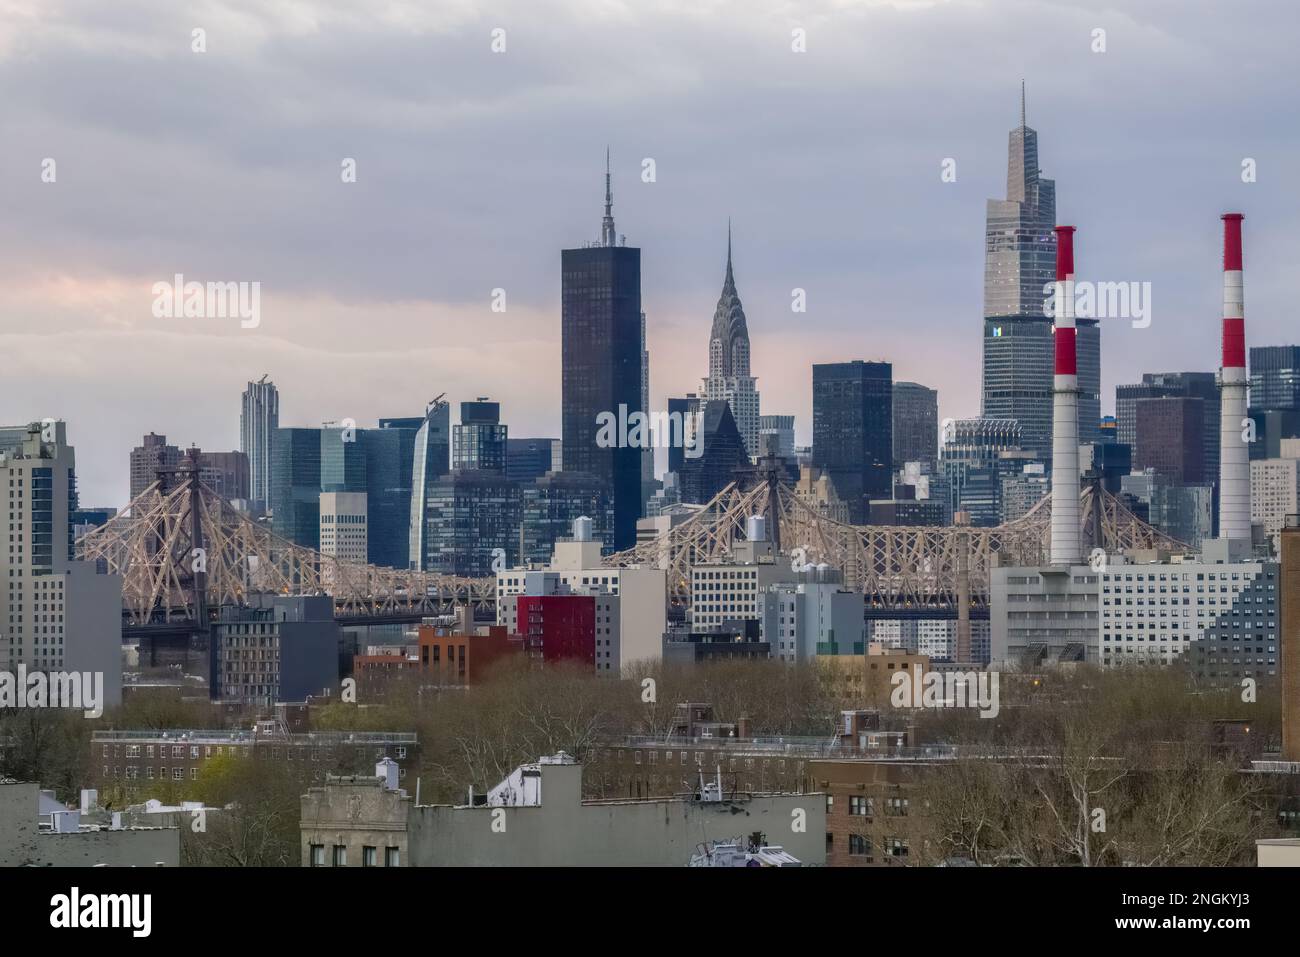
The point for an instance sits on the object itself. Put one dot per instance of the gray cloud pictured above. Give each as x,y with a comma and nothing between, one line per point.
475,169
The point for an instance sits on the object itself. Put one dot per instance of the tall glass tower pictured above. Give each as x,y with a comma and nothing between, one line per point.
1019,262
259,417
601,359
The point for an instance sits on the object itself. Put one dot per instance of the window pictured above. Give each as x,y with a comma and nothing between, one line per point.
861,806
317,855
859,846
392,857
369,856
340,855
830,803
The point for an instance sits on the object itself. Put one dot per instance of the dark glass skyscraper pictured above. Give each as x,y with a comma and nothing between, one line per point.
1020,261
853,430
916,424
602,367
295,485
390,453
1274,378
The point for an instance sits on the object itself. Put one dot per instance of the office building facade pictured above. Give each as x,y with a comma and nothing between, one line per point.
601,359
916,424
853,430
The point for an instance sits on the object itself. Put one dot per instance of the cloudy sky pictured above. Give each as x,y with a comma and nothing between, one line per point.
474,168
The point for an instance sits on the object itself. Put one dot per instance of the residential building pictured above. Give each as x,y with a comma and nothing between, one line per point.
638,619
479,440
811,618
549,824
356,820
1275,491
259,420
283,649
38,831
62,615
135,760
151,456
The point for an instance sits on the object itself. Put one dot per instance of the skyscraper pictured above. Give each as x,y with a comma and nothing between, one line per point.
479,440
729,379
61,614
853,430
259,417
151,455
296,485
601,357
1274,378
429,461
916,424
390,458
1020,257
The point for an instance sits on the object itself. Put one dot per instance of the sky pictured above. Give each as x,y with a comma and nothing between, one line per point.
474,168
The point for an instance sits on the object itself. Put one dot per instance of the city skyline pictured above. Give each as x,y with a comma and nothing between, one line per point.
360,321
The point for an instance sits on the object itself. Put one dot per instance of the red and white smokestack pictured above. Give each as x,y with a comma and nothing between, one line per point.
1067,547
1234,454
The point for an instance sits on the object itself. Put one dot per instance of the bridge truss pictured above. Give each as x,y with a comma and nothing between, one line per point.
183,550
896,567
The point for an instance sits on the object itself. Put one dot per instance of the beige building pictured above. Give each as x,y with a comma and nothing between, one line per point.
356,821
343,526
1275,492
1279,852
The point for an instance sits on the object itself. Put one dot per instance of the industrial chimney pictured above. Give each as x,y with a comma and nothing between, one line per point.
1066,547
1234,459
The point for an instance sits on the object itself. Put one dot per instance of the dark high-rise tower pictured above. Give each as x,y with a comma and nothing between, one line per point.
601,359
853,430
1020,258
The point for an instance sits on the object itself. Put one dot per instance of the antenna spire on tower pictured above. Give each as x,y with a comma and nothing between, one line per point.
1022,102
607,236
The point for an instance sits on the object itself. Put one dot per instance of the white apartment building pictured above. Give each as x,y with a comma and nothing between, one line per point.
802,620
1274,492
1154,614
1043,614
344,522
